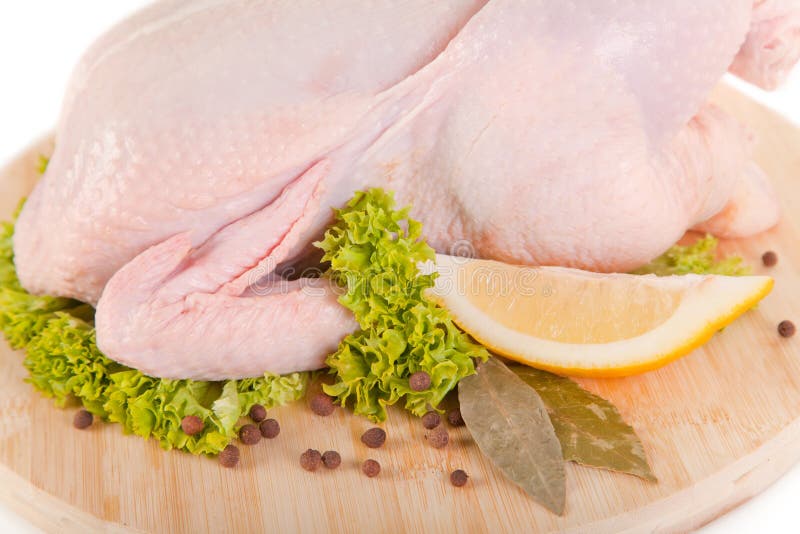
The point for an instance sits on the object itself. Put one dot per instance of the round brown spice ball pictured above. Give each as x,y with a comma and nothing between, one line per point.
786,329
310,460
431,420
419,381
229,457
322,404
374,438
258,413
770,259
371,468
454,417
192,425
269,429
458,478
438,437
249,434
82,420
331,459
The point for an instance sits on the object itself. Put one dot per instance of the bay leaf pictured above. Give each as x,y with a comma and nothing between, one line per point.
590,428
509,422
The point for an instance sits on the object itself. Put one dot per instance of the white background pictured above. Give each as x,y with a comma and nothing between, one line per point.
41,40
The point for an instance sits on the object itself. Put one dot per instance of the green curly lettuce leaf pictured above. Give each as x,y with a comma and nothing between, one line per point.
64,363
374,251
697,258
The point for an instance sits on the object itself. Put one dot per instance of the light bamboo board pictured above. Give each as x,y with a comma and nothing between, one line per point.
718,427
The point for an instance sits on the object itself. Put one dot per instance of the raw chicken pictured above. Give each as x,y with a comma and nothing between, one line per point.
203,142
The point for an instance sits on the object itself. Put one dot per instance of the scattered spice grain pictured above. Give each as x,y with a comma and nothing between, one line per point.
269,428
458,478
374,438
82,420
229,456
371,468
431,420
249,434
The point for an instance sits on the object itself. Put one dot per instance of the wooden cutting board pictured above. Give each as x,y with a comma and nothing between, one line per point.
718,427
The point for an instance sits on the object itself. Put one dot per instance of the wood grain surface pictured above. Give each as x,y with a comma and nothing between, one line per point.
718,427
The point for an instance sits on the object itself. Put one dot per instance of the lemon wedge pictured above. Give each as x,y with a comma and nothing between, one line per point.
588,324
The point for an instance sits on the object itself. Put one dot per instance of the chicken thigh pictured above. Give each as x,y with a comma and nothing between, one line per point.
202,144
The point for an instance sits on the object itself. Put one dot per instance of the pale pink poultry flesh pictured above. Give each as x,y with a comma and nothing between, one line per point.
202,144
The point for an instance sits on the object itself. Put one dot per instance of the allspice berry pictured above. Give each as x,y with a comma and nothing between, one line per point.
438,437
82,420
786,329
310,460
374,438
431,420
371,468
322,404
454,417
269,428
249,434
458,478
229,456
419,381
258,413
192,425
331,459
770,259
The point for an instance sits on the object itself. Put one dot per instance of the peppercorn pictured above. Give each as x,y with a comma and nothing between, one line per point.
249,434
322,404
371,468
769,258
374,437
83,419
431,420
229,456
331,459
438,437
458,478
310,460
419,381
454,417
258,413
786,329
192,425
270,428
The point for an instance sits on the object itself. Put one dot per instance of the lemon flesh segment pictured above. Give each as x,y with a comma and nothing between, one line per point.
589,324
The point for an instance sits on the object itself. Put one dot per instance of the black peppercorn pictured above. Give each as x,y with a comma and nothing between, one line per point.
331,459
258,413
431,420
371,468
786,329
770,259
374,437
322,404
192,425
83,419
419,381
249,434
269,428
310,460
438,437
454,417
458,478
229,457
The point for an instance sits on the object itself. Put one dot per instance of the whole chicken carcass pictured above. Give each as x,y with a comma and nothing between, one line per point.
202,144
